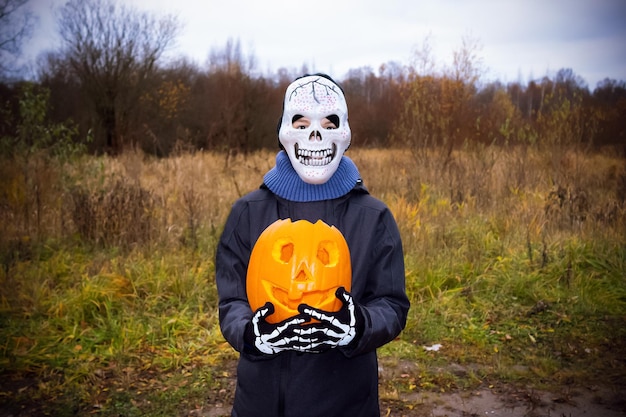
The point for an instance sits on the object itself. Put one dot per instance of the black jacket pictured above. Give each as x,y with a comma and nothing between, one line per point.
339,382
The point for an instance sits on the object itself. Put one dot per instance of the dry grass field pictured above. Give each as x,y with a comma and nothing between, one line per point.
516,269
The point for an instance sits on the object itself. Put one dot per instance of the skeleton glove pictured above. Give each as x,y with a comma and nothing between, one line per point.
271,338
335,329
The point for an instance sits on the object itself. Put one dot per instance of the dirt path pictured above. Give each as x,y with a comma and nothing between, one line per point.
583,402
592,400
495,401
514,403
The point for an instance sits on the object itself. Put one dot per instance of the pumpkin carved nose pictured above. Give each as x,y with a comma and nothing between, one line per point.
302,283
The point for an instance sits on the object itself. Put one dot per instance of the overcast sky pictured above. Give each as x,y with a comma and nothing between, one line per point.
519,39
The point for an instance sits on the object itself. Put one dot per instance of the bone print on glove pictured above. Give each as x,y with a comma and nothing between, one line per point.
271,338
335,329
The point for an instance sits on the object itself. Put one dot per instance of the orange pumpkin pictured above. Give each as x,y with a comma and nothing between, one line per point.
298,262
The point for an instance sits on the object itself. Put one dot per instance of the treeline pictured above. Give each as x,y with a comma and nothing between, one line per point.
227,108
108,86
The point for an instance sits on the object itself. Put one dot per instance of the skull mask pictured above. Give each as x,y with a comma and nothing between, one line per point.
315,152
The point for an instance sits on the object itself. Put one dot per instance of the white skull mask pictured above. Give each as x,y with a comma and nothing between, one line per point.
315,152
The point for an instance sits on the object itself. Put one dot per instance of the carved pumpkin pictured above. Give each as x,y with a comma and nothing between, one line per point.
298,262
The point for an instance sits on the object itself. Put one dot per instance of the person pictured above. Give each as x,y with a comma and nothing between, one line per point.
316,363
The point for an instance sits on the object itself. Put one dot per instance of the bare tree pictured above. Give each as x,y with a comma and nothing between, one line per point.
113,51
16,25
437,113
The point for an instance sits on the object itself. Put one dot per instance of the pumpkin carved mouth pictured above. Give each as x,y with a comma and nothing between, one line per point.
313,298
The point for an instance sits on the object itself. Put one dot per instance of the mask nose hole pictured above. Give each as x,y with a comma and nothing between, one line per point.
315,136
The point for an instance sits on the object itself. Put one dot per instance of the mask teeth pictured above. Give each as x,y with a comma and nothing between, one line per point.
320,157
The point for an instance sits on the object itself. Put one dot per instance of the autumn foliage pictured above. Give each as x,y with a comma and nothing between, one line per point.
230,106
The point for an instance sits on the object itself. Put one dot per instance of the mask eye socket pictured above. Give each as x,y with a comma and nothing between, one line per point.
300,122
334,119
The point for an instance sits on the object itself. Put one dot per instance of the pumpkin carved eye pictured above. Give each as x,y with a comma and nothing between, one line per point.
283,251
298,262
327,253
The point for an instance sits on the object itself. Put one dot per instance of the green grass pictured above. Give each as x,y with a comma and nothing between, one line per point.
562,321
74,318
136,333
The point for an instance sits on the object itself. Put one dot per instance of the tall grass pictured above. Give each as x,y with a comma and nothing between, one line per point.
516,265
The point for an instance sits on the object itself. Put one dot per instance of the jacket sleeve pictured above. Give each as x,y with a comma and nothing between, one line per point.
383,298
231,263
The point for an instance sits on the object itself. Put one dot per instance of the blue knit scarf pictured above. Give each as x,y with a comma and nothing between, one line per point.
283,181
